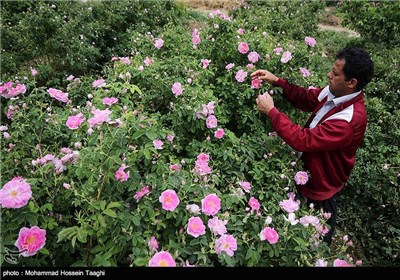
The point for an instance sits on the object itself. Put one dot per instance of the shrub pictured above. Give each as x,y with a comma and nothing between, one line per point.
374,185
84,182
105,184
375,20
73,37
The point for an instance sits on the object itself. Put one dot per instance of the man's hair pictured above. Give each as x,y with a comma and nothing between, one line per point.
358,65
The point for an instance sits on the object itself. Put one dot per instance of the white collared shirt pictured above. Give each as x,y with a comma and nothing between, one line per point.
330,104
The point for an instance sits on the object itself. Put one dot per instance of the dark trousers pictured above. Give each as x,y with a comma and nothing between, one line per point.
329,206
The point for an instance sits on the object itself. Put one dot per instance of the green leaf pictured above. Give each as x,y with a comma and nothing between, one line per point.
33,207
147,154
229,260
188,250
66,233
140,262
151,135
271,253
100,260
138,133
44,251
135,88
249,253
194,242
299,240
48,206
151,212
51,224
276,251
73,241
113,205
110,213
136,220
102,205
32,219
134,241
101,220
82,235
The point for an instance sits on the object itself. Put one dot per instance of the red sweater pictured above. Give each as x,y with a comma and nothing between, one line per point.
330,147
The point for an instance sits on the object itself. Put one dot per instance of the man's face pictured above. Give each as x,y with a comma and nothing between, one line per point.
338,85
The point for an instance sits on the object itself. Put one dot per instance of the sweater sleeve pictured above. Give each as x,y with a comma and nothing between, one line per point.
329,135
302,98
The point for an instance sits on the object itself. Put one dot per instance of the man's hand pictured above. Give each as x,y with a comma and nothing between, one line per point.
264,103
264,75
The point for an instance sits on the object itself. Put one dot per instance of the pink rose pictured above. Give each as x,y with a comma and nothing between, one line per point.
30,240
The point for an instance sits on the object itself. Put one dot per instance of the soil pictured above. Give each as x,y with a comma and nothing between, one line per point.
210,5
349,32
331,22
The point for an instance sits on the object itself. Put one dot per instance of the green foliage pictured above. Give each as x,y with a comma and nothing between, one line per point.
93,219
386,84
376,20
60,38
375,179
292,19
371,198
380,156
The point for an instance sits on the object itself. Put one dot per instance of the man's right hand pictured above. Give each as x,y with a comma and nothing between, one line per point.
264,75
264,103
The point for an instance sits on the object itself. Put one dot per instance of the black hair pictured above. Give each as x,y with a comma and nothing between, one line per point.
358,65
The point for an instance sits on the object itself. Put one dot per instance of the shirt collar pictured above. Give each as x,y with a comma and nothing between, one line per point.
339,100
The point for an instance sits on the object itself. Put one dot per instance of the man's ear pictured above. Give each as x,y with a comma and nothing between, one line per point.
352,83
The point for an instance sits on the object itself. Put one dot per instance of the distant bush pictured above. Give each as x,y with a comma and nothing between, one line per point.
60,38
293,19
378,21
371,198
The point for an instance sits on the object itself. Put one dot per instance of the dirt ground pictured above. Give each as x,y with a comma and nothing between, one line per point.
211,4
332,22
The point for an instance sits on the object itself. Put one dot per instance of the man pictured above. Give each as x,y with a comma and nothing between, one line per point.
329,140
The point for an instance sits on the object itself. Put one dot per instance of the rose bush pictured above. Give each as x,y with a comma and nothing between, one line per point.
131,168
